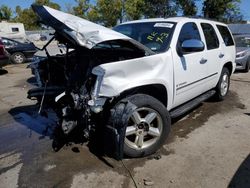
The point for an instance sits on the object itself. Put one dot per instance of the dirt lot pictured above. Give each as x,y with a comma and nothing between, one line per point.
209,147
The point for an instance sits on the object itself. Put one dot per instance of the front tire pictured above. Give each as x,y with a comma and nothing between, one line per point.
222,87
18,58
147,126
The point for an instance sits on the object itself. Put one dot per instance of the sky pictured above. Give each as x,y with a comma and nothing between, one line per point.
244,5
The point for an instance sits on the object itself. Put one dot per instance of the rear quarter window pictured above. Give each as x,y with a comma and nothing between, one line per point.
225,33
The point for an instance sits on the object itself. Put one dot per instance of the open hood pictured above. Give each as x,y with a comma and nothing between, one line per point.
83,32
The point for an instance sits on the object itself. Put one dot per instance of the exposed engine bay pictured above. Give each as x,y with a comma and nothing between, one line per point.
66,82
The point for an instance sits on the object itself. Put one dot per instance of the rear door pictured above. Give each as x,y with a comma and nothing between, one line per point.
214,53
228,44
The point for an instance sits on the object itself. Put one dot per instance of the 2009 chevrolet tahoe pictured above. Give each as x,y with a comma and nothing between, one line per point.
124,85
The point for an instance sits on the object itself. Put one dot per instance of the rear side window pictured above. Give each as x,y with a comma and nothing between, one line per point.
15,29
210,36
228,40
188,31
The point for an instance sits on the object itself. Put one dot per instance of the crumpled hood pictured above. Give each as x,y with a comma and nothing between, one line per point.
83,32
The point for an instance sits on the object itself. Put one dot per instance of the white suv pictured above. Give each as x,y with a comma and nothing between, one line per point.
135,82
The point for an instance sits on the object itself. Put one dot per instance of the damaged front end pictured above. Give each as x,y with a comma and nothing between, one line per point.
70,83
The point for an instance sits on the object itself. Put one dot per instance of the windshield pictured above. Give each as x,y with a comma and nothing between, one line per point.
242,41
154,35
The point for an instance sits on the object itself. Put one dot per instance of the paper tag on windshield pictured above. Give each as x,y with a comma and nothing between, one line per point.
167,25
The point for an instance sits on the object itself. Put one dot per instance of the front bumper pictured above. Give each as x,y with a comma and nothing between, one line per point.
241,63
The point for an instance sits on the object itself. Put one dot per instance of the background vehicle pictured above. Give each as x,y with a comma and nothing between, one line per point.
4,58
242,43
123,87
20,52
12,30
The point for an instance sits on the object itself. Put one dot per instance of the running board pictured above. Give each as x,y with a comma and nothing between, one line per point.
191,104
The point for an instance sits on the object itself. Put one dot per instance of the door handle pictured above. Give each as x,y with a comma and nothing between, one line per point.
203,61
221,55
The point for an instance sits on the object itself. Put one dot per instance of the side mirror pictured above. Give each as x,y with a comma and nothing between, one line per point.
192,45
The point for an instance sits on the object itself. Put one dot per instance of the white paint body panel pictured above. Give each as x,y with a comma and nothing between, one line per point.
170,70
86,33
184,77
123,75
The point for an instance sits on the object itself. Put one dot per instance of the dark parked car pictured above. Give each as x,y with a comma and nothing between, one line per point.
20,52
4,58
242,52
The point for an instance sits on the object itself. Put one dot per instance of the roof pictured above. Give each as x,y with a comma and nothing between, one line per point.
240,28
171,19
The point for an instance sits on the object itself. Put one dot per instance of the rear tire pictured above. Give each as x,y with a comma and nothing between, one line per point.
147,125
222,87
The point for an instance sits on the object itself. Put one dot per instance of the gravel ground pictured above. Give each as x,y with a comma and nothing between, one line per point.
209,147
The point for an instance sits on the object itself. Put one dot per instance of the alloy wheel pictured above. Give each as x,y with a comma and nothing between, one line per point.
224,84
144,128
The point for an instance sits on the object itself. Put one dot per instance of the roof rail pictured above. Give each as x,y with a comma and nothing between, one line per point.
195,17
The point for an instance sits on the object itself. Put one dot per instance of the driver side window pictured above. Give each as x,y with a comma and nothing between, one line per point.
188,31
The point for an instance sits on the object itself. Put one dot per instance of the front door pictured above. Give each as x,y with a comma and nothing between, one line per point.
190,69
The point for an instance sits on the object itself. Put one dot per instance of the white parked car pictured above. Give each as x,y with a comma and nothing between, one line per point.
123,86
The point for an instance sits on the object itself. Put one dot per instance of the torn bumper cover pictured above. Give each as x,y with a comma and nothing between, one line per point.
114,135
51,91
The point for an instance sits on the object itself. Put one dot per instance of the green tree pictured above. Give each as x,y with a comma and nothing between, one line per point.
93,15
48,3
82,8
107,12
221,10
187,7
233,14
160,8
5,13
134,9
69,8
18,10
29,18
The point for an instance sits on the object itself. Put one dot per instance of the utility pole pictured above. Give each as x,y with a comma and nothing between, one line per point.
123,12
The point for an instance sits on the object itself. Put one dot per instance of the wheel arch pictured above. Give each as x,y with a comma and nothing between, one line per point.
229,66
158,91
